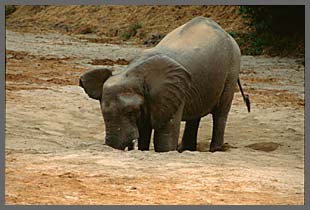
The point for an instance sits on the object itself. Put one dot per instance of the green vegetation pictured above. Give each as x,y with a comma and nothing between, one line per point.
131,31
256,44
279,30
9,9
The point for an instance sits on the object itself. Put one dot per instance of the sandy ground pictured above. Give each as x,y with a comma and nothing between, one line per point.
55,135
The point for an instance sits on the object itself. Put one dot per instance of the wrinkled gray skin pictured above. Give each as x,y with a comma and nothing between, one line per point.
192,72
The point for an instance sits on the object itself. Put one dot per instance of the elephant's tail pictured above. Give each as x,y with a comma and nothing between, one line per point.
246,97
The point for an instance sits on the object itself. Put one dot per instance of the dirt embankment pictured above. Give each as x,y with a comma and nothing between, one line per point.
111,23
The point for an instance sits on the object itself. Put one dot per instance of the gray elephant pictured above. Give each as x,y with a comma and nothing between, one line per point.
192,72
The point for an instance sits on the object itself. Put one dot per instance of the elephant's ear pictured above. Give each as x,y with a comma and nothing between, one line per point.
92,81
167,85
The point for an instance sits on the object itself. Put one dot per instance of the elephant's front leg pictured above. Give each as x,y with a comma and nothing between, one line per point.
145,131
166,138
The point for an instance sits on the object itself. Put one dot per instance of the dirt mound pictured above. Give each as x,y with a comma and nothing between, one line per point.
114,21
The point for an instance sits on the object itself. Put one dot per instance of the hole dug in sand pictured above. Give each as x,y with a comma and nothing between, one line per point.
264,146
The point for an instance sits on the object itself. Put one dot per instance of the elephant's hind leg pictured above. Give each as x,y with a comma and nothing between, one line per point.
189,139
220,115
219,124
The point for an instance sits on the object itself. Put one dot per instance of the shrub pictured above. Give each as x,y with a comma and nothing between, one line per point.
131,31
278,29
276,19
133,28
9,9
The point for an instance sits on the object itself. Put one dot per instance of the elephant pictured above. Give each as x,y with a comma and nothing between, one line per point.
192,72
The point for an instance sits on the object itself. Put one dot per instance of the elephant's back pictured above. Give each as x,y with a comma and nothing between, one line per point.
196,36
198,45
208,53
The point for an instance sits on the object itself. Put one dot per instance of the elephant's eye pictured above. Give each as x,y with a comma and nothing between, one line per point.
107,111
132,111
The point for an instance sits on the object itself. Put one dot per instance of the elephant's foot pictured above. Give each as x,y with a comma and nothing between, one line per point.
164,149
222,148
182,147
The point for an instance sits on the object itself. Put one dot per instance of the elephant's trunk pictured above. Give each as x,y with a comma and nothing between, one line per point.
121,137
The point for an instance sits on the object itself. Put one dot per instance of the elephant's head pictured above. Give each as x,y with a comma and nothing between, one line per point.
150,89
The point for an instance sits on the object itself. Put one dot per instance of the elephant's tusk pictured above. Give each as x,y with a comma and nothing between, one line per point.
135,143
